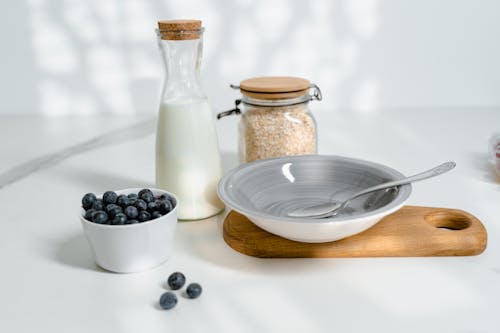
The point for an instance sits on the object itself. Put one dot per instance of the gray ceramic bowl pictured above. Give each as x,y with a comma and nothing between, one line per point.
266,190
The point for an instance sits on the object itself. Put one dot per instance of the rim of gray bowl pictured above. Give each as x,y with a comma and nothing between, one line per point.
131,190
401,198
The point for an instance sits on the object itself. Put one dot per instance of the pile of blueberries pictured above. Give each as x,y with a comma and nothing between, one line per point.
176,281
122,209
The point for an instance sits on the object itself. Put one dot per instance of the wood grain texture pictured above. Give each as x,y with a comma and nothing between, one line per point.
275,87
178,25
272,96
274,84
410,232
180,29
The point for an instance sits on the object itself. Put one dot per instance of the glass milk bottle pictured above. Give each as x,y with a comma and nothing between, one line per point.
187,152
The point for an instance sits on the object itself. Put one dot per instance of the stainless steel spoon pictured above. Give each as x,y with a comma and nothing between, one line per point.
332,208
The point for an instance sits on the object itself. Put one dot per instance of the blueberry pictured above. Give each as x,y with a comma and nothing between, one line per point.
131,212
109,197
144,216
113,209
176,280
141,204
89,214
168,300
119,219
133,196
100,217
156,214
152,206
148,197
122,200
88,200
98,205
131,222
132,201
165,207
193,290
166,197
145,190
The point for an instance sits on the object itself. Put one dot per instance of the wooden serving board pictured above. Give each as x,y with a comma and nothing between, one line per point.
410,232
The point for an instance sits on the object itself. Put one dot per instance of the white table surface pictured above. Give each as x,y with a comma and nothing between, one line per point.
49,282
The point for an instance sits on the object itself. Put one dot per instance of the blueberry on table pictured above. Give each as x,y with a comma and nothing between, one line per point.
143,216
164,207
156,214
131,212
176,280
141,204
113,209
133,196
144,190
119,219
98,205
131,221
122,201
100,217
168,300
193,290
109,197
89,214
88,200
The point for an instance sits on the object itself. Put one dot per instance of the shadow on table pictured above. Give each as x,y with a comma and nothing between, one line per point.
75,252
121,135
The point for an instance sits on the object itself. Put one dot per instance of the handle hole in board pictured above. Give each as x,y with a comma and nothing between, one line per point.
448,220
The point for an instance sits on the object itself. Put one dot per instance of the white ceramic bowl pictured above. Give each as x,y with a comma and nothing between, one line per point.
266,190
133,247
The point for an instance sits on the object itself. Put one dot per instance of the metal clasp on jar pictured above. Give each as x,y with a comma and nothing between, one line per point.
316,95
236,110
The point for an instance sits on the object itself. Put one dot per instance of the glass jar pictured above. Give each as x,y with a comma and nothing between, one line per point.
275,118
187,150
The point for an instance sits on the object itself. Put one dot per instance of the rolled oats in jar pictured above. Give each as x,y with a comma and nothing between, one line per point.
275,118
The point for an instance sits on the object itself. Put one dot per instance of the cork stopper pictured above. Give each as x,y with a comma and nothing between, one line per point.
275,87
180,29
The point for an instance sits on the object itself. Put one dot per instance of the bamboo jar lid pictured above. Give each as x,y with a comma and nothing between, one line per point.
275,87
180,29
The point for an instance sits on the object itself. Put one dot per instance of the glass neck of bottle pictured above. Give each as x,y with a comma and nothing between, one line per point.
182,60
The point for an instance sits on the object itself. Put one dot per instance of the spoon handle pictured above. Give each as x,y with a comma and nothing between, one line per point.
436,171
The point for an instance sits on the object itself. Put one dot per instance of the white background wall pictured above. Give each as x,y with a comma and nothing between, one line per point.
82,57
